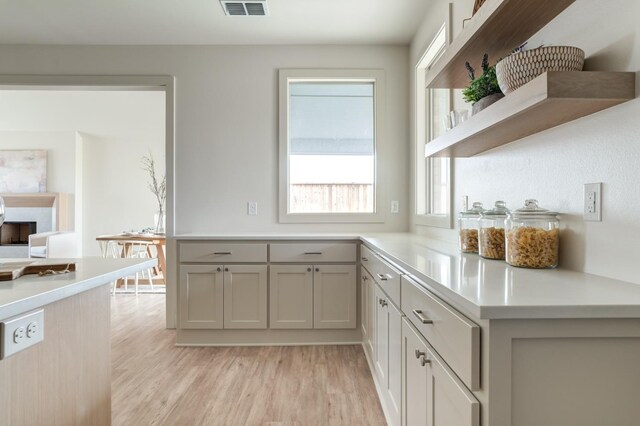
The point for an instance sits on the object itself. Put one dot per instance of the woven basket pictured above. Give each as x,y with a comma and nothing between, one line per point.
522,67
477,5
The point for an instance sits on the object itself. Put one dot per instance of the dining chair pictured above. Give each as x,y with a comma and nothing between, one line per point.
135,249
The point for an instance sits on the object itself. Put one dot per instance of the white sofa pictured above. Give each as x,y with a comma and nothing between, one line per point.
55,244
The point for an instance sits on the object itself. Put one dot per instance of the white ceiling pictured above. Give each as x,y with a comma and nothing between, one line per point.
204,22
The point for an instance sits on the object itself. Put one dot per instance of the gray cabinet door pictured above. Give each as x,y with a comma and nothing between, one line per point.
449,402
201,296
433,394
291,296
414,378
334,296
394,345
364,306
245,296
382,337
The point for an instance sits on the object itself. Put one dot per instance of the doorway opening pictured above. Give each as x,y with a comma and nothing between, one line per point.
100,160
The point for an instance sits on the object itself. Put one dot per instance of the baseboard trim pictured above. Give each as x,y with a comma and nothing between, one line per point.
226,345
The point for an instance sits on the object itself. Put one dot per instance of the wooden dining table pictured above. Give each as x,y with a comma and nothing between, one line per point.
159,241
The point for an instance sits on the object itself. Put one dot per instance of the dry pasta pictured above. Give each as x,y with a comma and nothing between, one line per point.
492,243
533,247
469,240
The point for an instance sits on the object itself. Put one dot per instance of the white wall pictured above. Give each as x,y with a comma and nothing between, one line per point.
100,164
553,166
226,121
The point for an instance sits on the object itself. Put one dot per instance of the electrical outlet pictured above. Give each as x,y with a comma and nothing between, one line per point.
395,206
593,202
19,333
252,208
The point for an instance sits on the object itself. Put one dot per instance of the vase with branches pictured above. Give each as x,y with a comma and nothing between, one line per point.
158,187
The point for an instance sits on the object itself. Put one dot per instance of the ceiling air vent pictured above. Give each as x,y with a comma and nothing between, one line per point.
245,8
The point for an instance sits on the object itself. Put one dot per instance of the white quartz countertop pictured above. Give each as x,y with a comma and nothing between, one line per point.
481,288
490,289
32,291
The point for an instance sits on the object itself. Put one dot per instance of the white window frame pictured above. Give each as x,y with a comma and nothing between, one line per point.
287,76
423,131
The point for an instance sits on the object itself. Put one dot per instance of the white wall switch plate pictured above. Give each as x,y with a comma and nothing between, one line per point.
252,208
395,206
593,202
21,332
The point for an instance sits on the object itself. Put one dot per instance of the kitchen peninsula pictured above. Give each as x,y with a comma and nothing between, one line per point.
65,378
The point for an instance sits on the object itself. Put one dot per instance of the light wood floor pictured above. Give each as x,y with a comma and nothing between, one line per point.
154,382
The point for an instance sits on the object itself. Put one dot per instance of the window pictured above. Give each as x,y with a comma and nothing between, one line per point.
433,174
328,135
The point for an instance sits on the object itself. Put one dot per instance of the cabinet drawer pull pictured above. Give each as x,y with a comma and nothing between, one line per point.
382,277
364,259
418,313
420,353
424,361
221,252
313,252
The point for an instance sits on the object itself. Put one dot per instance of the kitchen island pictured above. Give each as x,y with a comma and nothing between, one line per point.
65,378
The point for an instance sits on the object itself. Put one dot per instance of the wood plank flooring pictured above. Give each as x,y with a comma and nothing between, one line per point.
154,382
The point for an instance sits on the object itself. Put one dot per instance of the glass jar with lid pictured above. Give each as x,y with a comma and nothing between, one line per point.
532,237
468,224
491,238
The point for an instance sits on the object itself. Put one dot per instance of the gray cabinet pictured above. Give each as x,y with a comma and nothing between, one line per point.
219,296
291,296
433,394
245,296
201,297
388,353
313,296
334,296
367,311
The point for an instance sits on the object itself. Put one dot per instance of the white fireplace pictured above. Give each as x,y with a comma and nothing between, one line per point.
25,214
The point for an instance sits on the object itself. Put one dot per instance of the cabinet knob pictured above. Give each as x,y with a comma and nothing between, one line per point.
226,269
364,278
383,302
219,269
308,269
317,269
424,361
419,353
364,259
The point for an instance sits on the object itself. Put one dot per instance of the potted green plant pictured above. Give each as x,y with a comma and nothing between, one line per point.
483,90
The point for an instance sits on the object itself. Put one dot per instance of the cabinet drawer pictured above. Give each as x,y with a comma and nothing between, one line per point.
452,335
387,277
313,252
366,257
223,252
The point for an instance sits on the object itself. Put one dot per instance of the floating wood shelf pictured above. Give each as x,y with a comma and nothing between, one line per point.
497,28
551,99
